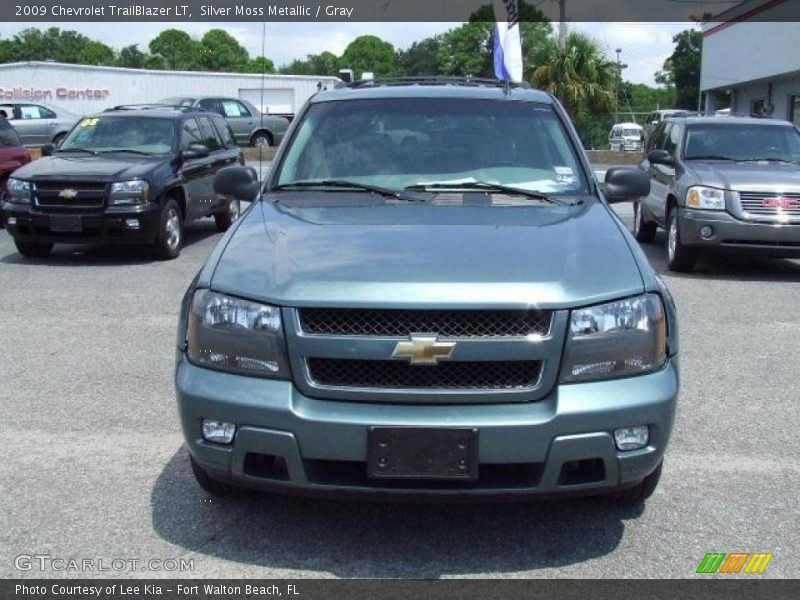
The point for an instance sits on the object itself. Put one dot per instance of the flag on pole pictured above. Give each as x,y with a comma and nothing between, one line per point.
507,44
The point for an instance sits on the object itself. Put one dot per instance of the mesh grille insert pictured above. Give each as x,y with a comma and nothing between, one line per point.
394,374
447,323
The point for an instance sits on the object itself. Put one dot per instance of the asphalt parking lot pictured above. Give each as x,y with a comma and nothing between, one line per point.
93,465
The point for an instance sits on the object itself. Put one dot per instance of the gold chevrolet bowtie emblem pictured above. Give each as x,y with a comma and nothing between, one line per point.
68,194
423,349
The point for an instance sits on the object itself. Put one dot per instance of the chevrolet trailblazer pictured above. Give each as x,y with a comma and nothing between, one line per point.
431,297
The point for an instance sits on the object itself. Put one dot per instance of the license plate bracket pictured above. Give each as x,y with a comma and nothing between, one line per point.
66,223
422,453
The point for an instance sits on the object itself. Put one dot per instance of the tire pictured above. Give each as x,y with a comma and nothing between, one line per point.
33,249
640,492
170,232
680,258
643,230
229,214
212,486
261,139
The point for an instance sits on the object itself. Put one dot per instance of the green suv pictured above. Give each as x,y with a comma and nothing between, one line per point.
431,297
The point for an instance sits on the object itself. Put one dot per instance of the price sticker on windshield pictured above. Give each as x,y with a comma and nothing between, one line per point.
89,122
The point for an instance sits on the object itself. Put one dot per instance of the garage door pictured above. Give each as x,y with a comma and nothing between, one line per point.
279,101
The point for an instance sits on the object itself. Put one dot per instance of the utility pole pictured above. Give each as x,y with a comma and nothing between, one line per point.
616,86
562,24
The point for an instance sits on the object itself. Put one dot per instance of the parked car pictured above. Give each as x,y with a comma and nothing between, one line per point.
657,116
38,124
124,177
12,156
723,184
459,315
626,137
250,126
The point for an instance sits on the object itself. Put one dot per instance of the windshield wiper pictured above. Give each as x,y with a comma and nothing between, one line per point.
765,159
342,183
129,150
710,157
77,150
489,187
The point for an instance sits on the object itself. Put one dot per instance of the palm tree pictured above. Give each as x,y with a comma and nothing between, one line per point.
580,76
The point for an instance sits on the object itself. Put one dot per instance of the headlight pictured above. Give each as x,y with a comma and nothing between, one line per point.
136,191
231,334
705,198
619,339
19,191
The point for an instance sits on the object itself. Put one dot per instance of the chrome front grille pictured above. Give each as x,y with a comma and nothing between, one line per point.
64,194
770,206
446,323
395,375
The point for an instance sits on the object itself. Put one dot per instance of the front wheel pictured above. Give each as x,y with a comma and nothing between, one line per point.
33,249
261,140
643,230
228,215
170,233
680,258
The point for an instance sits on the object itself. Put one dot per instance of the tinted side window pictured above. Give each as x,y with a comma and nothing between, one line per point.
657,139
210,137
210,104
190,134
225,132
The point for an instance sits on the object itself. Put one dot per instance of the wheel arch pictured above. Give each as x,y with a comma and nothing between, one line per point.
179,195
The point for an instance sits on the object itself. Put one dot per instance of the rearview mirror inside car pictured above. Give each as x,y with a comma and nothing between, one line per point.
660,157
240,182
624,184
195,151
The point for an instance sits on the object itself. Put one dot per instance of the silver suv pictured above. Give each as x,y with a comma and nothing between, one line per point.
722,184
249,125
38,124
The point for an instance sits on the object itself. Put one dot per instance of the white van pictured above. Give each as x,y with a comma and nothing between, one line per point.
626,137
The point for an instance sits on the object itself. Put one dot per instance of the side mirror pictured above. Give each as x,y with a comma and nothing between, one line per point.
195,151
240,182
660,157
48,149
623,184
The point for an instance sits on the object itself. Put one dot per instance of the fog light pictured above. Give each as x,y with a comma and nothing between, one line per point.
706,231
12,220
218,432
632,438
132,223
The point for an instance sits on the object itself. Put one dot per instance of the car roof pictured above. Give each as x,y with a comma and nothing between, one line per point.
690,119
161,112
445,90
631,125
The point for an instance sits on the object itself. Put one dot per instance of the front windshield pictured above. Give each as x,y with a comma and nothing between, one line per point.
397,143
114,133
742,142
631,133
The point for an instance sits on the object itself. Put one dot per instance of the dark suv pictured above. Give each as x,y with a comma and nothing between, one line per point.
124,176
723,184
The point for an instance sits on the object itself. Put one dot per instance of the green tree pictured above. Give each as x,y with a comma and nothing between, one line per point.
682,69
370,53
579,76
177,49
131,57
260,64
421,58
96,53
220,51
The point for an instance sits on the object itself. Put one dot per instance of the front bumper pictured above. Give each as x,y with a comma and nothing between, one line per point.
32,223
734,235
524,449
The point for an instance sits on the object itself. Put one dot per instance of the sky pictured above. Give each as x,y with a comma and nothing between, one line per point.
644,45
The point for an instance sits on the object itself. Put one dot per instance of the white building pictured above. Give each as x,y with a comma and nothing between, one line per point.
752,51
84,89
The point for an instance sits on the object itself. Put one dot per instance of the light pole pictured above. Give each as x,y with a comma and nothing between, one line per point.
616,86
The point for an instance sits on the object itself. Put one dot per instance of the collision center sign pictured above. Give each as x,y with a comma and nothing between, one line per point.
61,93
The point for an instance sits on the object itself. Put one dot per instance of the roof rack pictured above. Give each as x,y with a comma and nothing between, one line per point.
153,106
689,113
434,80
